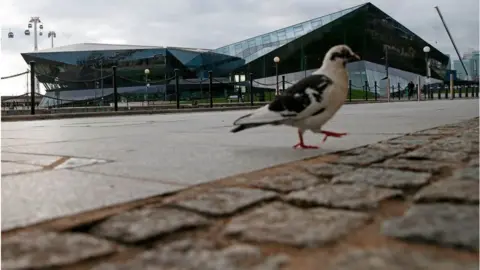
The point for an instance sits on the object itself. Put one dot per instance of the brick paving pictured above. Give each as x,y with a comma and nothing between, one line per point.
405,203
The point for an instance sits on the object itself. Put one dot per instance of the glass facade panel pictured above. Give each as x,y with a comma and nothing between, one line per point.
366,29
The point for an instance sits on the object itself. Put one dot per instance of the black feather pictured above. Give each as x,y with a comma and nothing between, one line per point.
295,99
246,126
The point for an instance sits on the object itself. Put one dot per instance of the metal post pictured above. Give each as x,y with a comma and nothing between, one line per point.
452,94
399,90
476,92
276,75
115,90
446,91
251,89
388,89
460,91
101,78
439,94
350,90
177,89
32,87
375,86
366,90
210,82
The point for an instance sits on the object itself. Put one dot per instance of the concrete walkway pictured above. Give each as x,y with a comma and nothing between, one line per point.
62,167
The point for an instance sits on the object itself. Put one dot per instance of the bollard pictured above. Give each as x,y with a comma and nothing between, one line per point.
115,90
439,94
375,86
399,92
350,90
446,91
32,87
251,89
210,94
283,84
460,91
177,89
366,90
476,87
393,92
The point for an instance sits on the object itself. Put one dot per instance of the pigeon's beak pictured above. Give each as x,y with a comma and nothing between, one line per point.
354,57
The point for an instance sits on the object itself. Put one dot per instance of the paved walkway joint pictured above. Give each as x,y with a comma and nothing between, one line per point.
405,203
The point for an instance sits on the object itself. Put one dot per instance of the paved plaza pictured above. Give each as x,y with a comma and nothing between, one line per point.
54,168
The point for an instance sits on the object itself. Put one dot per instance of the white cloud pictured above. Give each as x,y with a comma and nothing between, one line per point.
206,23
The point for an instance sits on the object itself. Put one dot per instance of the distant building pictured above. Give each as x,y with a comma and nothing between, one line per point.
471,61
73,72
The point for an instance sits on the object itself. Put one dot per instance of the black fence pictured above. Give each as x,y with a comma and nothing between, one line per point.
213,91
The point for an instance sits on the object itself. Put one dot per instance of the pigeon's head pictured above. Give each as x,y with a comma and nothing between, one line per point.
340,55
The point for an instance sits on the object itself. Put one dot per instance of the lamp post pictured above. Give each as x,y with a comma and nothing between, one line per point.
276,59
37,25
426,50
147,71
51,36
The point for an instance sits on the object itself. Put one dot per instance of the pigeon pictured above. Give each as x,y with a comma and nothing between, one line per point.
309,103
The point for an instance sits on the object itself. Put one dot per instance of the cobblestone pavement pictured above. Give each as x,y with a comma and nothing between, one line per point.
405,203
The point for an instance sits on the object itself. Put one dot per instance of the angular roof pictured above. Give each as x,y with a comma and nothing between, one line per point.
95,47
255,47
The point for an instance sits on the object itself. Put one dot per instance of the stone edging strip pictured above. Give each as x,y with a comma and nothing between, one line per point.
406,203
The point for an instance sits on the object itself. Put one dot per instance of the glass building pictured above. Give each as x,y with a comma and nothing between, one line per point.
74,72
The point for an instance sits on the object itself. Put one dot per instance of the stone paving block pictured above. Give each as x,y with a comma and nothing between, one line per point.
455,144
353,197
475,162
421,165
370,154
389,178
442,224
452,130
327,169
37,249
396,259
449,190
433,154
191,256
14,168
409,142
288,182
468,173
224,201
141,224
282,223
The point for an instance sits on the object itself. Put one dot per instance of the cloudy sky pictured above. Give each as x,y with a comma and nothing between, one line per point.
205,23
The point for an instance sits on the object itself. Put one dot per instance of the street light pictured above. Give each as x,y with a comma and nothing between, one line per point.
276,59
51,36
147,71
37,25
426,50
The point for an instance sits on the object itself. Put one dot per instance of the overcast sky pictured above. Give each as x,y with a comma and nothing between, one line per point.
205,23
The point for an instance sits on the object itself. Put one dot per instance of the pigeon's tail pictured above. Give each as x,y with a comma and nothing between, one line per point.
246,126
260,117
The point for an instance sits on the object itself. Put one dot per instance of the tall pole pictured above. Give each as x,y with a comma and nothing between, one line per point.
451,39
101,77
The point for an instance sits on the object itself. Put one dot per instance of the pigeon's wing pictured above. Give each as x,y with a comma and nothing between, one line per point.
300,100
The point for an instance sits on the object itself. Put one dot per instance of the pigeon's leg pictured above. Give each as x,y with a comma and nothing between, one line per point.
331,134
301,144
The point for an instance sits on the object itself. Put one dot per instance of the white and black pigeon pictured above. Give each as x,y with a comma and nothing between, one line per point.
309,103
